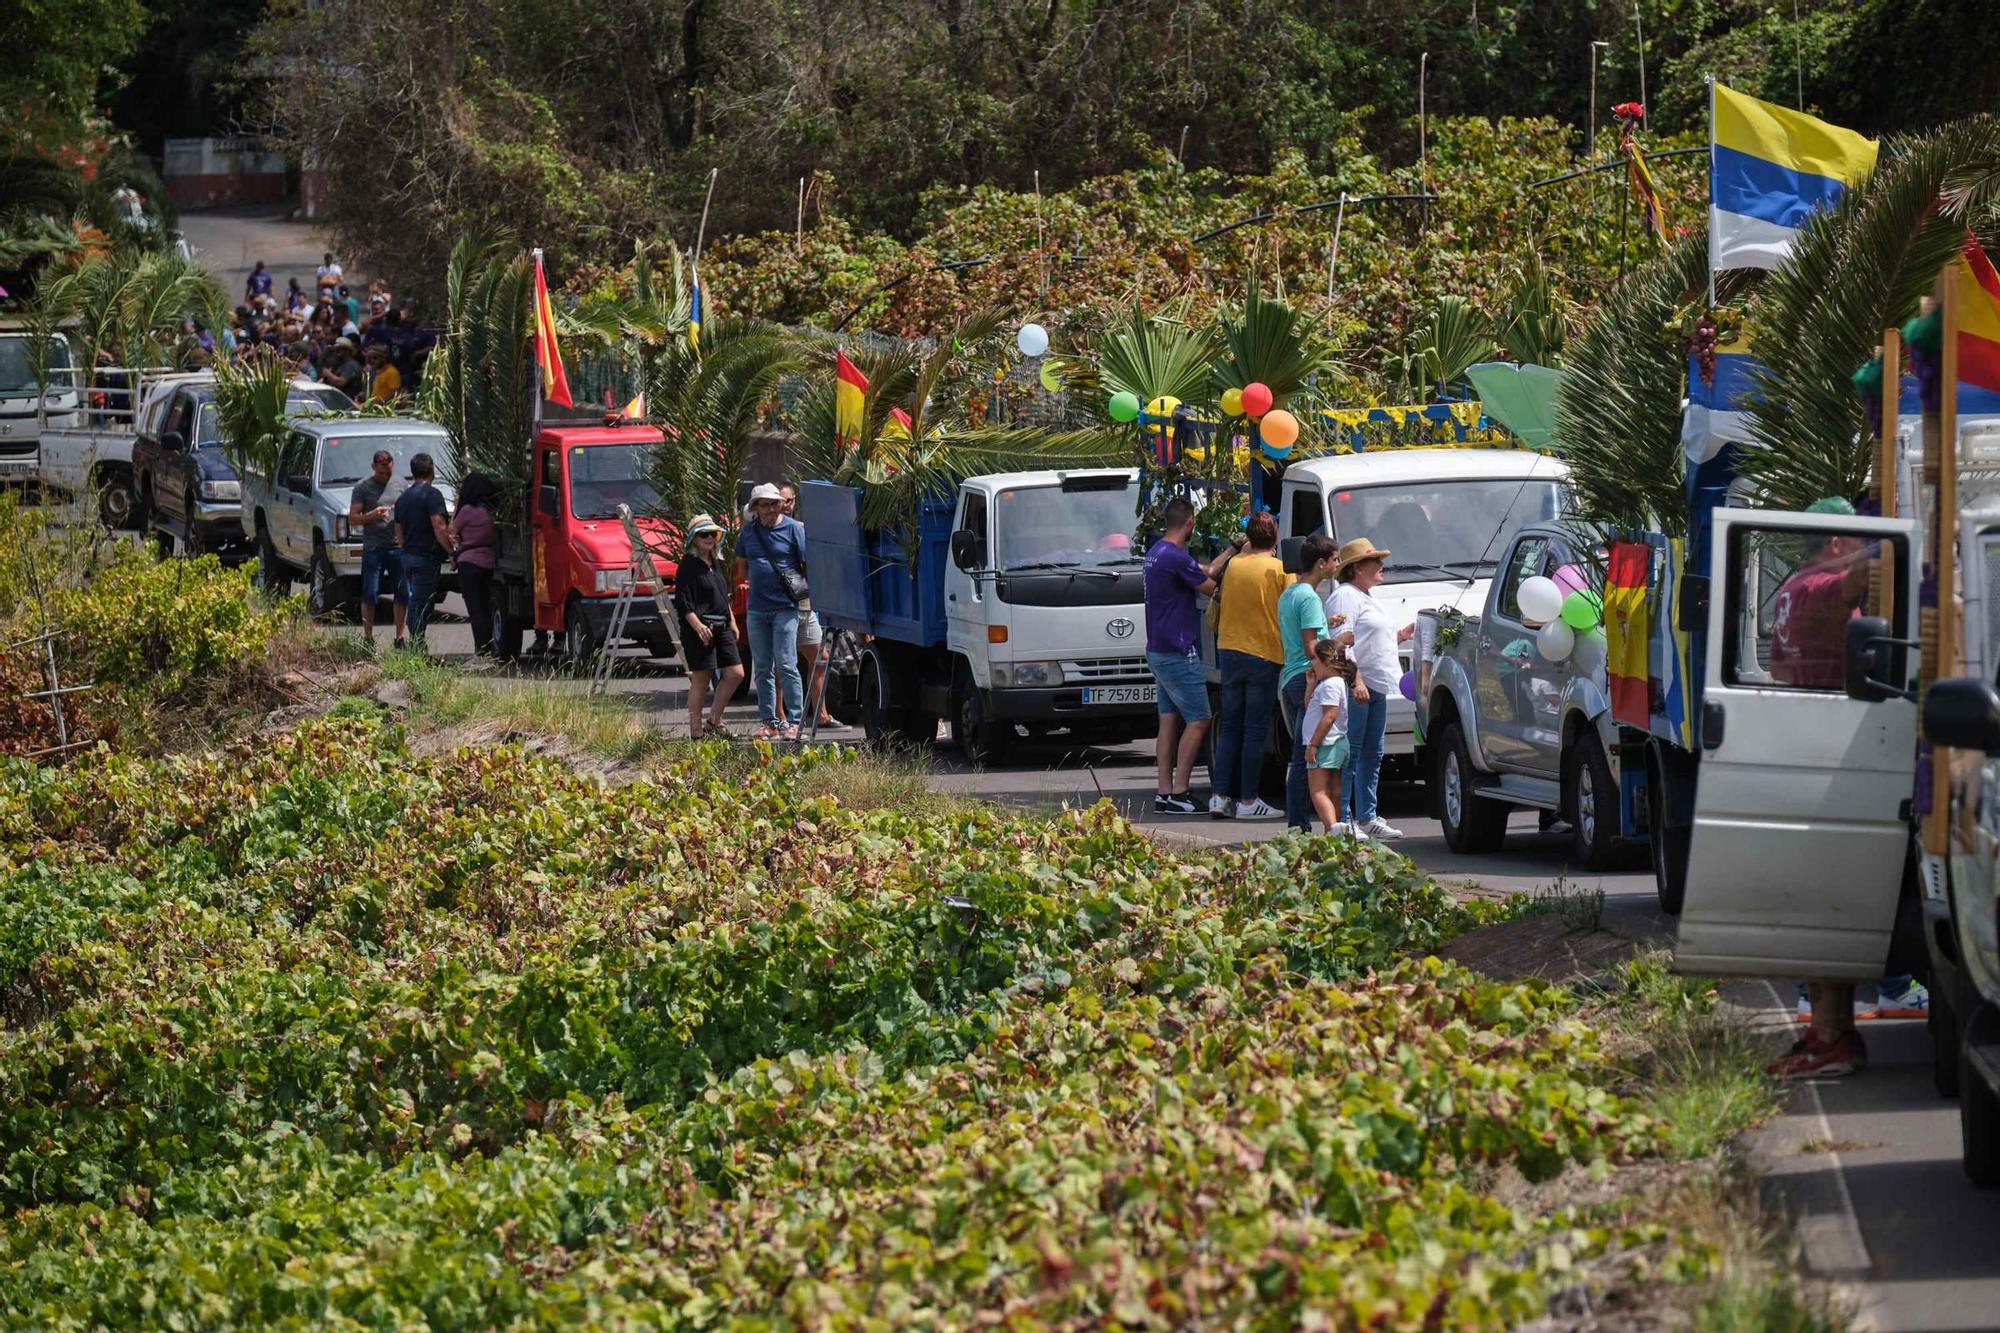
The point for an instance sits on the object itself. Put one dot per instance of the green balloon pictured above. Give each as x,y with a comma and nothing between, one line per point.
1125,406
1582,609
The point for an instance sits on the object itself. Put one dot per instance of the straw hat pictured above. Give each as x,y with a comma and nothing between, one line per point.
1354,552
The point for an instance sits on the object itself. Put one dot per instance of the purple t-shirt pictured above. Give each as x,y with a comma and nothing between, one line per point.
1172,623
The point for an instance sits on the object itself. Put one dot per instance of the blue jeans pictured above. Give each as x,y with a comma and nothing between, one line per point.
1298,797
379,565
774,642
1367,728
420,576
1249,693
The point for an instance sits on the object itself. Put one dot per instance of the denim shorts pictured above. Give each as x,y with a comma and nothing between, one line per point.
1332,755
380,564
1183,685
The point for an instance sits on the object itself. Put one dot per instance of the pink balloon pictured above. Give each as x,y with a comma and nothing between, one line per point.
1571,578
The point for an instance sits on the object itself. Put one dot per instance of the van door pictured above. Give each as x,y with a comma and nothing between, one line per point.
550,553
1800,830
291,515
1514,680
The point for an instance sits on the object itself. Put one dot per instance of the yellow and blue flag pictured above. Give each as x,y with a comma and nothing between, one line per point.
694,309
1769,168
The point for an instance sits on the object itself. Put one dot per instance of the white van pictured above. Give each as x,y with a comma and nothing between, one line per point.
23,410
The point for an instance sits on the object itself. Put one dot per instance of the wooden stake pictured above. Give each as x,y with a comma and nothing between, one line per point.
1041,249
1885,466
799,235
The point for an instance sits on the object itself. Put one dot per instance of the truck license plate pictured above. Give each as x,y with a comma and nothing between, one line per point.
11,467
1119,694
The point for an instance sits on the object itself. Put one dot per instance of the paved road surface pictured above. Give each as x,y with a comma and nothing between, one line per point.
230,241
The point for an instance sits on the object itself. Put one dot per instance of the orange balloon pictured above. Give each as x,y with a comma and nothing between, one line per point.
1280,429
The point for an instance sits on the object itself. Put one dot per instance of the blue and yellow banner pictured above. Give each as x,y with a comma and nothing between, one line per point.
1356,430
1769,169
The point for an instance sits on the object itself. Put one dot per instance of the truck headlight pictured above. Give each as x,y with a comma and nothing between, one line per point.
221,490
1028,674
611,580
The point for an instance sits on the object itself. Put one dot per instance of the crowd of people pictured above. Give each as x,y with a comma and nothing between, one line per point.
366,343
1319,646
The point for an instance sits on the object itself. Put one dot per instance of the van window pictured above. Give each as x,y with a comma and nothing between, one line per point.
975,514
1308,514
1790,595
1530,558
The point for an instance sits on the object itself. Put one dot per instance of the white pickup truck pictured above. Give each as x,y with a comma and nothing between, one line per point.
1445,515
27,408
88,454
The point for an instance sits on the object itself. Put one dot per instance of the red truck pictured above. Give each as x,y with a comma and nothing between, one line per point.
563,556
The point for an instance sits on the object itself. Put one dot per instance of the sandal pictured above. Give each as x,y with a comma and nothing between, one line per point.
766,733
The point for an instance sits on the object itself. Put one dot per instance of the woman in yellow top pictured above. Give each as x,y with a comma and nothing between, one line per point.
1249,655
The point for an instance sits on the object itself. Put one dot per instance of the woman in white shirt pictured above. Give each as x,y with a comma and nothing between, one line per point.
1380,671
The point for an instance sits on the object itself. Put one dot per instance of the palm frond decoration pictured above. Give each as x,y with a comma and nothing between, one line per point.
1267,341
1534,321
1156,356
128,312
1854,270
250,410
479,383
709,406
1453,335
1618,410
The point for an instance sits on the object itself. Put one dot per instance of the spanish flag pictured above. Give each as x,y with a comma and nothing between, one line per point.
1978,319
548,355
850,393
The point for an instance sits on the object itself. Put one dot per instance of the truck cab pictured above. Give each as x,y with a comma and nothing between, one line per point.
1445,515
565,559
26,406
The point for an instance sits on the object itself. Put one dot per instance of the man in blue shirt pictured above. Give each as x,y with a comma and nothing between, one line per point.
771,549
423,531
1173,652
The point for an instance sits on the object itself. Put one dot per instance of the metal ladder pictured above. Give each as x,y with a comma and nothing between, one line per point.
637,570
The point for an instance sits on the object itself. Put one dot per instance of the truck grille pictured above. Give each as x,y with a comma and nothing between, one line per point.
1107,670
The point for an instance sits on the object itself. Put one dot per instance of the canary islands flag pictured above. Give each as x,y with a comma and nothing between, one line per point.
850,393
1768,169
555,383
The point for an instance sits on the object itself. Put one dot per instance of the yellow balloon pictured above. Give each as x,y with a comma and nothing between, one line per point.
1162,407
1232,402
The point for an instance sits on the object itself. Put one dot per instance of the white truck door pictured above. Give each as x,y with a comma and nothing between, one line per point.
965,597
1799,824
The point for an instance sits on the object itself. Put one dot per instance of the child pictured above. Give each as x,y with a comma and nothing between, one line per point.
1324,731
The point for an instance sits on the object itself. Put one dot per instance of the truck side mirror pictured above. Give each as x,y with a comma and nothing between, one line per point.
173,441
300,482
548,502
1963,713
1873,664
968,549
1288,555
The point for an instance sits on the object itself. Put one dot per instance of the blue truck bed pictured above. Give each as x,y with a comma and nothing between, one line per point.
861,581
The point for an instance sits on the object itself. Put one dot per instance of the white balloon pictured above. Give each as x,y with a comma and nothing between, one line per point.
1554,640
1033,340
1541,599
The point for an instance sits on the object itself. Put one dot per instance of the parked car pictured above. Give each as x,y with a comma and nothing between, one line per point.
92,459
296,521
188,493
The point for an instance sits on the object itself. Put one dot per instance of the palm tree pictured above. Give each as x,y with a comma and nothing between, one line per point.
1534,321
1268,342
479,383
1453,335
1618,409
1853,271
129,310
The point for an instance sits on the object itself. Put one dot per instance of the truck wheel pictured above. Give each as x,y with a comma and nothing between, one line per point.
981,739
116,501
1978,1122
1590,802
1669,846
578,642
843,676
324,596
193,544
1471,823
507,635
272,576
1943,1025
876,723
661,646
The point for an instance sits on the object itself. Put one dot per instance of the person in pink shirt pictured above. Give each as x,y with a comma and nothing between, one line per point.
1811,611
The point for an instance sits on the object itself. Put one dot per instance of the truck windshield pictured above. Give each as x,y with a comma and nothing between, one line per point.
346,459
604,476
1443,529
1046,527
304,402
17,365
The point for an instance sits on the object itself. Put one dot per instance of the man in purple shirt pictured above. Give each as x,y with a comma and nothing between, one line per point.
1173,651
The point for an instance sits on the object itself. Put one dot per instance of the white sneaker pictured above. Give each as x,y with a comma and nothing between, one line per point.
1353,831
1379,827
1221,807
1257,809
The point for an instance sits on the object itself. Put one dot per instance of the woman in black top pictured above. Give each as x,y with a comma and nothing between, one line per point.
701,600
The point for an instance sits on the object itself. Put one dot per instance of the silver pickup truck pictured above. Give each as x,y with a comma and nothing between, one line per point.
1508,729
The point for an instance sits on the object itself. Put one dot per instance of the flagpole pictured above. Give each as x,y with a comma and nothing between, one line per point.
1709,79
1640,28
1885,464
701,232
535,407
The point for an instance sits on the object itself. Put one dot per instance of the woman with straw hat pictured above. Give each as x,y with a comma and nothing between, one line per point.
1374,638
708,631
